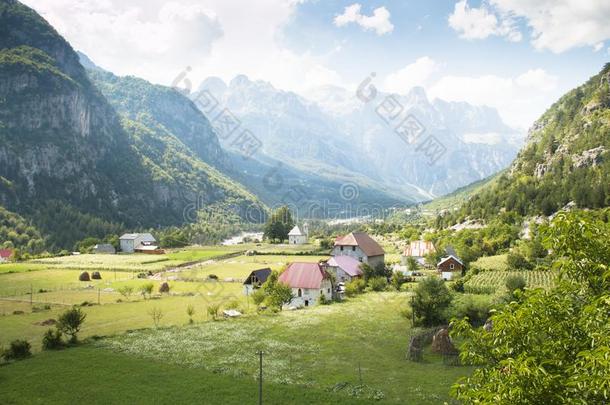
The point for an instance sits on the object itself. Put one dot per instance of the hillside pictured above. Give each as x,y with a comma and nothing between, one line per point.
69,161
564,160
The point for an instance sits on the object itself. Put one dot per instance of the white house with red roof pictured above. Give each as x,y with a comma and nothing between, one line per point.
361,247
308,282
344,268
5,255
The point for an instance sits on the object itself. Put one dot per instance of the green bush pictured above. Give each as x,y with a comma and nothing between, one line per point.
431,300
51,340
70,322
19,349
514,283
517,261
378,283
475,307
355,287
213,311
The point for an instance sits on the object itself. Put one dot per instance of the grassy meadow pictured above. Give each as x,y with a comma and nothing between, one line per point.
309,354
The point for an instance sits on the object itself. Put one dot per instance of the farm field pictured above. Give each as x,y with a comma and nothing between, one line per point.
497,263
495,280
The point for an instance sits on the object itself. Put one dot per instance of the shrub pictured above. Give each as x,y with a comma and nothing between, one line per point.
51,340
431,300
323,300
84,276
70,322
355,287
190,311
213,311
378,283
258,296
475,307
18,349
164,288
458,286
234,304
146,289
514,283
397,280
156,314
96,275
517,261
126,291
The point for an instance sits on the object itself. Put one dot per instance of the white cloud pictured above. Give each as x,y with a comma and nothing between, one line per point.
156,40
417,73
379,21
480,23
520,100
556,25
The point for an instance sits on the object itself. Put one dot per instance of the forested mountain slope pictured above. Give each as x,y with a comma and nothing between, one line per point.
565,160
67,158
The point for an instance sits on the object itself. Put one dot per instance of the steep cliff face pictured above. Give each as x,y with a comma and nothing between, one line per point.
63,144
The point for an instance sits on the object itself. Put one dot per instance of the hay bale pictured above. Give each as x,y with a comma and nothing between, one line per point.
164,288
84,276
441,343
96,275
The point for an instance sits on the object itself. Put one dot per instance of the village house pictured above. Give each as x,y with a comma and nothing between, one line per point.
344,268
450,267
308,281
256,279
5,255
296,237
418,249
104,248
132,242
361,247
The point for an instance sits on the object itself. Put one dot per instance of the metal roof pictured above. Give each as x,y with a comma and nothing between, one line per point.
361,239
347,263
303,275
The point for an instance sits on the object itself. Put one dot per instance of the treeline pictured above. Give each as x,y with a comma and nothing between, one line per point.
17,233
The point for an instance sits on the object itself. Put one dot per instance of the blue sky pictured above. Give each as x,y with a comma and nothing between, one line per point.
518,56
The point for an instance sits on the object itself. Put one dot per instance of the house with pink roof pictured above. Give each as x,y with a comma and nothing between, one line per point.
344,268
308,281
5,255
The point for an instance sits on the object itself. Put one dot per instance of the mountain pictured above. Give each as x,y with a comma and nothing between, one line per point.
333,133
564,161
76,167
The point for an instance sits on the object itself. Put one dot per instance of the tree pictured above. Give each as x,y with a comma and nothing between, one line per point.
156,314
412,264
397,280
70,322
551,346
258,296
146,289
280,295
431,300
517,261
126,291
279,224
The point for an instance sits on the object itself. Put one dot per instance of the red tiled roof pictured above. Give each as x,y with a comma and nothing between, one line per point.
347,263
6,253
363,241
419,248
303,275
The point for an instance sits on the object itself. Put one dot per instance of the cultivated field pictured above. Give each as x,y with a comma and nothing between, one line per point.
492,281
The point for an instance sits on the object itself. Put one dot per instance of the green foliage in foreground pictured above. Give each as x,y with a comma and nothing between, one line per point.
106,377
549,346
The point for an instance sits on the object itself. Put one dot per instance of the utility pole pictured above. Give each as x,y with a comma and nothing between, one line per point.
260,377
